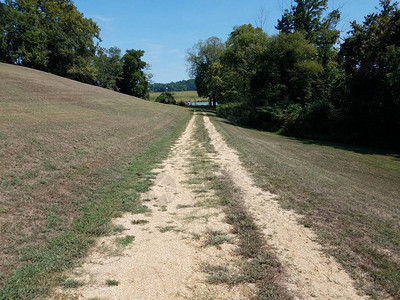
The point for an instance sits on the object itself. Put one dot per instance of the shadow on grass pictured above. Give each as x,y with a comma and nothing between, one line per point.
352,147
204,109
371,150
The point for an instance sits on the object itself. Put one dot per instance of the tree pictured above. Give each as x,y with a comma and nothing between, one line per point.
305,16
134,81
71,41
371,59
182,85
201,59
109,66
7,32
288,71
241,60
49,35
166,97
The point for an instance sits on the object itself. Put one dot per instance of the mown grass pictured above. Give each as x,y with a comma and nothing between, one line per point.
181,96
73,156
61,252
348,196
257,263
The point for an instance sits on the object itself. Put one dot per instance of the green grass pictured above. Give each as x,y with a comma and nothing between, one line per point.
71,283
111,282
166,228
218,274
124,241
139,222
348,196
217,238
181,96
72,160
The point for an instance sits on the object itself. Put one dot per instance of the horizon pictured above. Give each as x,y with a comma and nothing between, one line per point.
176,26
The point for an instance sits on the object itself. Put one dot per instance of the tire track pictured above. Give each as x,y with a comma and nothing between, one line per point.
312,274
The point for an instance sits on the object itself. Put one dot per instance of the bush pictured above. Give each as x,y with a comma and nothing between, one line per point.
269,118
166,97
314,120
238,113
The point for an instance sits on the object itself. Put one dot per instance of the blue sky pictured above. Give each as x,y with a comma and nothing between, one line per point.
165,29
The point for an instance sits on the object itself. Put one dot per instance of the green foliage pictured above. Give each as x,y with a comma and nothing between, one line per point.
313,120
203,61
109,66
134,81
242,58
54,36
298,83
166,97
71,283
304,15
295,72
124,241
371,60
49,35
179,86
238,113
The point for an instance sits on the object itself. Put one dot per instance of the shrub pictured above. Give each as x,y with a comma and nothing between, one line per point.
314,120
166,97
239,113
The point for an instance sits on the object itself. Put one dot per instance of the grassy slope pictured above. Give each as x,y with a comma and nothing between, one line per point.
63,145
181,96
350,197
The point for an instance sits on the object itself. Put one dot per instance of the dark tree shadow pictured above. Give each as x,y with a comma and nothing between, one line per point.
353,147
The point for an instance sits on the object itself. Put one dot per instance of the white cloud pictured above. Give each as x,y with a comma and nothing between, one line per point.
101,19
153,52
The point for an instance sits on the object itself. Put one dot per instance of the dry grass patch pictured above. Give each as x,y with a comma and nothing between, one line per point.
349,196
65,147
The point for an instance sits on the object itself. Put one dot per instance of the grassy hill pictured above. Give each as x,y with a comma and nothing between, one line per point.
72,156
348,195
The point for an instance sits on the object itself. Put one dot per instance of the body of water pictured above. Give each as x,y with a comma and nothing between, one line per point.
200,103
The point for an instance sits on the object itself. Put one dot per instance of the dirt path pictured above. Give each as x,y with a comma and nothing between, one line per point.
168,254
166,258
312,274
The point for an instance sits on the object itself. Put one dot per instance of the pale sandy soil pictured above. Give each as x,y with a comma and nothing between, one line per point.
168,265
311,273
162,265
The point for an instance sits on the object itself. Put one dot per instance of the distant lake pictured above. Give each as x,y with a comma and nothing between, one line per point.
200,103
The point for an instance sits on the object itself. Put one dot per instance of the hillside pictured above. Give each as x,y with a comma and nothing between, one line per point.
63,145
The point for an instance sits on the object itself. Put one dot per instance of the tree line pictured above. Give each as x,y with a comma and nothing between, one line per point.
302,82
53,36
179,86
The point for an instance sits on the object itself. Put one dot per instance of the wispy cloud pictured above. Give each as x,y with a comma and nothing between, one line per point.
101,18
153,51
174,51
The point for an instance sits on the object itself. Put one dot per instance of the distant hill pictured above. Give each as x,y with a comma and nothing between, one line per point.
179,86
